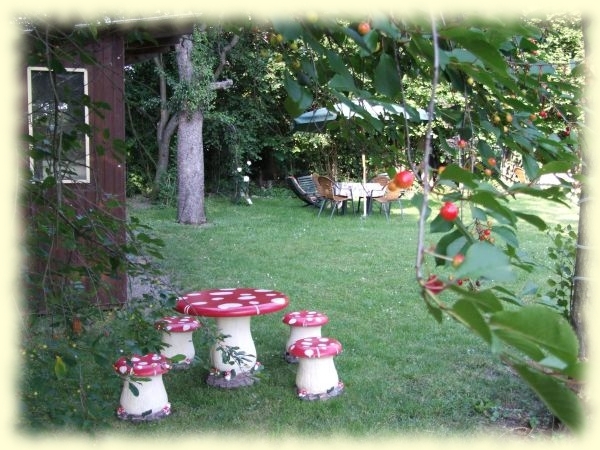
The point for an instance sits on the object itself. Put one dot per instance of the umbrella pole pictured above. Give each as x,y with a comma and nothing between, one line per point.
364,166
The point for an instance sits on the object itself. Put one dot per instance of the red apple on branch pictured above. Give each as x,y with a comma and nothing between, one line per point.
363,28
449,211
404,179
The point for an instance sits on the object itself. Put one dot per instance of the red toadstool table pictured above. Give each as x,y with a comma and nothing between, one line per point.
232,310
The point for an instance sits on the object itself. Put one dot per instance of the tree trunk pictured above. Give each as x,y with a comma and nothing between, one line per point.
581,296
190,168
580,299
164,131
190,149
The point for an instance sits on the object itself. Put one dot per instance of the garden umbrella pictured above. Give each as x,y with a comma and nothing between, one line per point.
314,121
378,110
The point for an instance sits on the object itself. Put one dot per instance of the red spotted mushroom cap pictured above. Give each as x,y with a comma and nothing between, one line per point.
315,347
231,302
142,365
305,318
177,324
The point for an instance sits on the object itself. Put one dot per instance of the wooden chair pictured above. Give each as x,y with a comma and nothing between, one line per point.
520,174
388,197
326,189
383,179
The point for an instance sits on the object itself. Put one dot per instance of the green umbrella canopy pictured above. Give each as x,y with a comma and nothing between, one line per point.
314,121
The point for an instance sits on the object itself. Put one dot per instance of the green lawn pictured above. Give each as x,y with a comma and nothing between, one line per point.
405,374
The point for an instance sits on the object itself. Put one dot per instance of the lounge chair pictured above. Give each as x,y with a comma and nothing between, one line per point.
305,189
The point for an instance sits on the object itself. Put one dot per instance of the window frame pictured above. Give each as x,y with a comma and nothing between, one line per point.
83,175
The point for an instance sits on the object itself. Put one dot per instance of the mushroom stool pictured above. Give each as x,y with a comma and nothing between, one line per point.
317,377
302,324
177,332
143,397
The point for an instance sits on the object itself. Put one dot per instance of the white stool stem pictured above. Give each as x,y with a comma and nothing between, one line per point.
179,343
316,375
151,401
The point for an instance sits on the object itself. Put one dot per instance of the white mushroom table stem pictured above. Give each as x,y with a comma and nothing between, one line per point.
317,377
143,397
236,334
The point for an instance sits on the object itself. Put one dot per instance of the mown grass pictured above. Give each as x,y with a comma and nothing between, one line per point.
405,374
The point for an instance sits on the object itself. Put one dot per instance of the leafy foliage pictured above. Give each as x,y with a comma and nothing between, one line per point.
561,254
197,94
496,98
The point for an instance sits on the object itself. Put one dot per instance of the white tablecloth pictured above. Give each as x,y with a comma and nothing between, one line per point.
357,190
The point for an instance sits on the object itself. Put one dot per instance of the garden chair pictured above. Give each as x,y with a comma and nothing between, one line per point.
388,197
520,174
305,189
326,189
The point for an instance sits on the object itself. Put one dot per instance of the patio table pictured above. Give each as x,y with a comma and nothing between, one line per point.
232,310
358,190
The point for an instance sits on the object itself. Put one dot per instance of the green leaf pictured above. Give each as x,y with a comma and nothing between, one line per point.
442,247
439,225
337,64
486,52
372,40
60,368
493,206
342,82
507,234
541,327
519,342
434,311
530,288
289,29
460,245
533,220
508,295
133,389
383,23
458,175
468,314
484,300
530,165
358,39
387,80
485,260
477,213
559,399
462,56
417,202
559,166
299,98
485,150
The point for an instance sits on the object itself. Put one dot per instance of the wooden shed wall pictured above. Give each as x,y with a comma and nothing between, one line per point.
107,168
106,84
